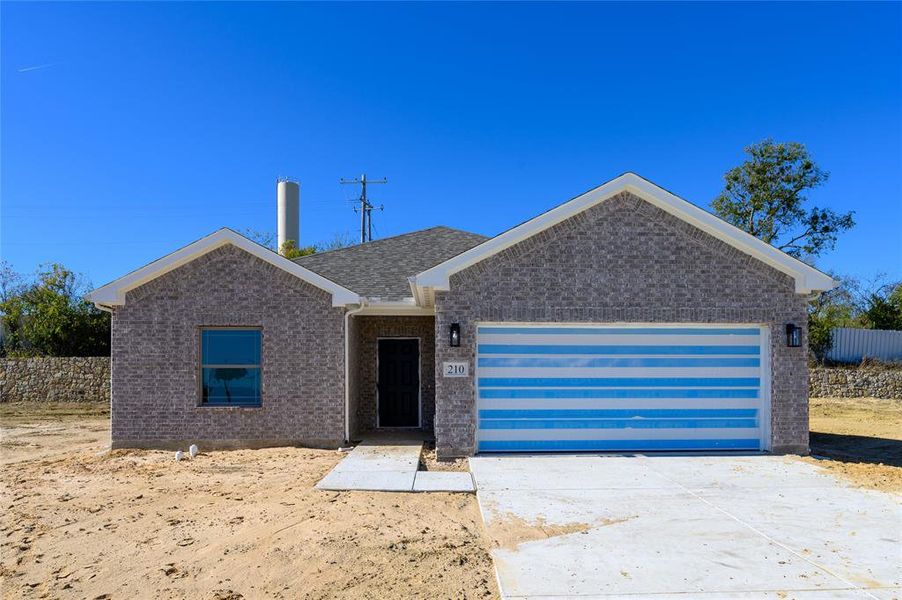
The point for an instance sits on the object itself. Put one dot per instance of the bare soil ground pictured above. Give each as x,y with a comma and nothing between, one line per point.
78,522
429,461
859,439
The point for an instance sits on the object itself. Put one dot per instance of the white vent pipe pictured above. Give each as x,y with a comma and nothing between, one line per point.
289,212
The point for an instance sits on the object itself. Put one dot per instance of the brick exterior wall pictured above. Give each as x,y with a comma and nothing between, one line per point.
623,260
155,357
353,369
366,331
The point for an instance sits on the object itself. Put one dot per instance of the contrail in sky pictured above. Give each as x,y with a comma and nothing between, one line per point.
37,67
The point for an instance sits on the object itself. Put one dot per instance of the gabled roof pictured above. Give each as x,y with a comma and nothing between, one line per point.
113,293
381,268
807,278
391,270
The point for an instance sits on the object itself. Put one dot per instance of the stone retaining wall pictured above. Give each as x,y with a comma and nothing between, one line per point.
854,382
87,379
55,379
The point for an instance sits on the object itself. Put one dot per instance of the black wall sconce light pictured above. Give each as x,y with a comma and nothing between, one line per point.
793,335
455,335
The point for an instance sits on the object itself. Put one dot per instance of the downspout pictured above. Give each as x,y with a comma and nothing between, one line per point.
348,315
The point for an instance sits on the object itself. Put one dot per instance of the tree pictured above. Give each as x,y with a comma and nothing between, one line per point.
48,317
290,250
834,308
872,304
338,241
765,196
883,309
10,281
264,238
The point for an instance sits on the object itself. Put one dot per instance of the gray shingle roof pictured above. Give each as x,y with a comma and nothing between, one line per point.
379,269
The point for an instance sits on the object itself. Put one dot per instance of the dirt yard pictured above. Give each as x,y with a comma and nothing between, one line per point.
859,439
81,523
78,522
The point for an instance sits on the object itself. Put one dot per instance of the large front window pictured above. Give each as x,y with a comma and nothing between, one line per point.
230,366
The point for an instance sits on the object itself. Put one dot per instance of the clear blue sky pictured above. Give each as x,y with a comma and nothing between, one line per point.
129,130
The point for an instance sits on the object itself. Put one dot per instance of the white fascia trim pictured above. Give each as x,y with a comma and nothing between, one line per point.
416,291
807,278
401,308
113,293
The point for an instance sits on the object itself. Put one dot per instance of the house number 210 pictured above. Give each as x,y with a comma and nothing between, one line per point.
456,369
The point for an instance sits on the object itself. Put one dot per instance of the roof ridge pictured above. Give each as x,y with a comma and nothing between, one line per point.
393,237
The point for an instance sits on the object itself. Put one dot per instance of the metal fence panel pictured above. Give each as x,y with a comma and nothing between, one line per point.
853,345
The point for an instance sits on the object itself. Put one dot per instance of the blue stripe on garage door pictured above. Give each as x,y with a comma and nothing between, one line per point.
603,388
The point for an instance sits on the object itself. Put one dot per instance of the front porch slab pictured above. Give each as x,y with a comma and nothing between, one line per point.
443,481
383,466
388,464
377,481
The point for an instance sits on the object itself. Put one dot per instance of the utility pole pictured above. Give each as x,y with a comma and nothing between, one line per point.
366,209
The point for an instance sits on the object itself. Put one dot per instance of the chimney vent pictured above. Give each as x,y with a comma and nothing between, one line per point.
289,212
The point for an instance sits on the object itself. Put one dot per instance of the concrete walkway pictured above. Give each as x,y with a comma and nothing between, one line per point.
590,526
383,465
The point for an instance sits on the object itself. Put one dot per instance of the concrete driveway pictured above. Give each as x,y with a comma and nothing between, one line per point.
685,526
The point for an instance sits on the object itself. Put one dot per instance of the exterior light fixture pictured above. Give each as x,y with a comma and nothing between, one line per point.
455,335
793,335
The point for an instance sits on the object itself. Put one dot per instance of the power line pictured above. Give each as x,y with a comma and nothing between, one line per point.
366,209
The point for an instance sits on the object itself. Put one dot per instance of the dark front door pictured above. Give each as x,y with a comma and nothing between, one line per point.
399,383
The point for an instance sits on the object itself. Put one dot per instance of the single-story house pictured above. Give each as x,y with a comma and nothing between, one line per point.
624,319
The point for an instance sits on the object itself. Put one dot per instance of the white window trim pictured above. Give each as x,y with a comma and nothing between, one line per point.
201,365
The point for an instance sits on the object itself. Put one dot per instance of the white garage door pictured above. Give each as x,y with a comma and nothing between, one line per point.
621,388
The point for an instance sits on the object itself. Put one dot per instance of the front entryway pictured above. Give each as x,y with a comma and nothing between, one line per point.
398,386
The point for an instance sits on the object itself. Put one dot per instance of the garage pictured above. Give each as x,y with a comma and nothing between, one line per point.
625,319
595,387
